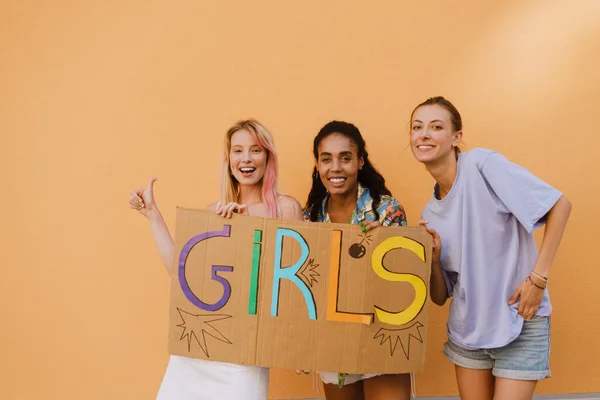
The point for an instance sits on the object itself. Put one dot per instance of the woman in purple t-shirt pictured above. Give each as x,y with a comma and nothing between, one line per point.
481,215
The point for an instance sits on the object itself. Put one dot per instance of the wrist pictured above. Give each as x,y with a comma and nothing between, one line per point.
538,283
538,278
153,214
541,270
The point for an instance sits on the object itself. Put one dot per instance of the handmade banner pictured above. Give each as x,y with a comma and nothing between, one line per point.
293,294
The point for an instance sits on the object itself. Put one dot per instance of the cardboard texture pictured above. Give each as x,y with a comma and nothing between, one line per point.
293,294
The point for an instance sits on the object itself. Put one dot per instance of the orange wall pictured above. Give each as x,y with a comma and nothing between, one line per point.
96,97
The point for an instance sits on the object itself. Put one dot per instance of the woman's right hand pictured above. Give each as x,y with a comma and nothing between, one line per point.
227,210
437,242
143,199
302,371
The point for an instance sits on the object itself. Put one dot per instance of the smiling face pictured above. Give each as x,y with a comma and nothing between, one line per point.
247,160
432,134
338,164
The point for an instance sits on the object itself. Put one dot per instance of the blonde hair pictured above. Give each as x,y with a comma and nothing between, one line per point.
230,186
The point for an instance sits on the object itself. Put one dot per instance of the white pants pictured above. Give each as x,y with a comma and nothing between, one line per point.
194,379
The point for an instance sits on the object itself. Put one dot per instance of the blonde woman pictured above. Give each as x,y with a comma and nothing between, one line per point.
249,186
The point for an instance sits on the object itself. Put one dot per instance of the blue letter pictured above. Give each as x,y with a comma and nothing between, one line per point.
290,272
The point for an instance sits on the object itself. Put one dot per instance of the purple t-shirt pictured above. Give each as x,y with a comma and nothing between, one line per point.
485,223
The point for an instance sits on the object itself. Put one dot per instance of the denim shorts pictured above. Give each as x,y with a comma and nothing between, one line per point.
526,358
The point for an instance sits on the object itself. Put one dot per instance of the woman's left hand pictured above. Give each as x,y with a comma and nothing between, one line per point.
530,299
368,225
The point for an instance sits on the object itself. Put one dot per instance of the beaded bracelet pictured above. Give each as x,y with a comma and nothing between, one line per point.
540,277
535,284
341,379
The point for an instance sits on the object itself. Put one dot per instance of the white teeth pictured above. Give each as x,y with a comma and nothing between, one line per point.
337,180
247,169
425,147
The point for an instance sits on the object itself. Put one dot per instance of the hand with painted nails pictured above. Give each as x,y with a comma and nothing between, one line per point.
143,199
228,210
437,242
367,225
302,371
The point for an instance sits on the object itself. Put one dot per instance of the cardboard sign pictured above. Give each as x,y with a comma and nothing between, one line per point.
293,294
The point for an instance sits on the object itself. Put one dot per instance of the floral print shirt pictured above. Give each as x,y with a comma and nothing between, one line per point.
390,210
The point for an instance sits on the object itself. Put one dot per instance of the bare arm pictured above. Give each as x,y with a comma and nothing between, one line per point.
555,227
142,200
162,238
530,294
437,284
438,291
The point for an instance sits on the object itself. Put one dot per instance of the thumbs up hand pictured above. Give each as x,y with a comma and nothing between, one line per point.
143,199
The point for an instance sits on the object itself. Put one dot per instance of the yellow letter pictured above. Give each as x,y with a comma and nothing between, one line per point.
411,312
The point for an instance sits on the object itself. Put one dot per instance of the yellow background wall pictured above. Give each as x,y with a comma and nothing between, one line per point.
97,97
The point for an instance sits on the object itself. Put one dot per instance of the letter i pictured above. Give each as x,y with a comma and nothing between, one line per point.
256,250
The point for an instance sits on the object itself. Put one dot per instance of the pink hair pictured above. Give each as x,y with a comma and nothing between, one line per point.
269,181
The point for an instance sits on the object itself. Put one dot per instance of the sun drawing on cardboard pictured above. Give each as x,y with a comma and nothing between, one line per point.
197,326
402,336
